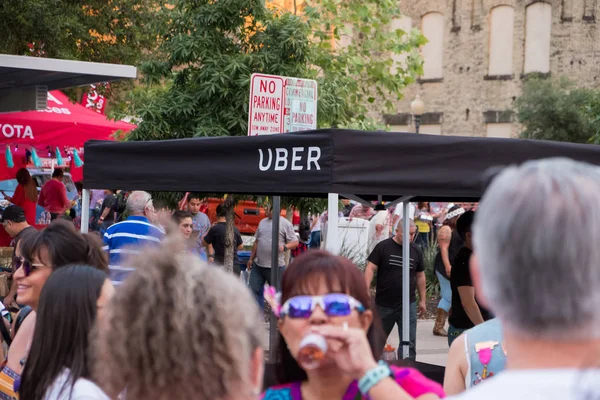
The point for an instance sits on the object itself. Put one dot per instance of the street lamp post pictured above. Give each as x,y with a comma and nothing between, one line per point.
417,108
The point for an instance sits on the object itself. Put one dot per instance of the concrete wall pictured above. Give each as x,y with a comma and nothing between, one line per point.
471,84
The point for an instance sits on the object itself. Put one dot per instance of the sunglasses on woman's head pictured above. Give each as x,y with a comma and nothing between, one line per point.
334,305
28,267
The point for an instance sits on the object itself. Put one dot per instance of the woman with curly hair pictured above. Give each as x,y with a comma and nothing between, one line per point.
178,329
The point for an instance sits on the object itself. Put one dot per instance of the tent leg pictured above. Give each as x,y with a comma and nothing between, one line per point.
274,274
332,240
405,280
85,211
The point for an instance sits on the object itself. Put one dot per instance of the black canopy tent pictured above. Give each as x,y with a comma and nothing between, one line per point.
369,165
366,164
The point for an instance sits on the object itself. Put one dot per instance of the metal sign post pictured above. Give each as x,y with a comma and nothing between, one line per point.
275,278
85,210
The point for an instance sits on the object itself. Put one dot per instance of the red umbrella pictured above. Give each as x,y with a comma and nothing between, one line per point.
63,124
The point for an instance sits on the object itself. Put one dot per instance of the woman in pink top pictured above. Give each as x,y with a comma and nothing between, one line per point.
53,196
326,295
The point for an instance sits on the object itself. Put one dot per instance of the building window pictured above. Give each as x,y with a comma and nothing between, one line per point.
499,130
537,38
402,128
476,14
501,41
405,24
431,129
589,10
566,13
432,26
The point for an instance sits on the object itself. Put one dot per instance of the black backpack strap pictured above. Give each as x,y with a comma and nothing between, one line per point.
20,318
5,332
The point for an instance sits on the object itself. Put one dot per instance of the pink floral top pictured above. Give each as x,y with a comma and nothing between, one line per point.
411,380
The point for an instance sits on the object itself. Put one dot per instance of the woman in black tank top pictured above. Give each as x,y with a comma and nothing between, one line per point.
448,241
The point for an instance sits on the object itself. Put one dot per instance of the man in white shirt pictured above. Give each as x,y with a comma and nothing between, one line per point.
536,258
259,264
379,229
398,214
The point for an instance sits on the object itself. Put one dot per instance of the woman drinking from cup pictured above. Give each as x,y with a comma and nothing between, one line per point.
331,337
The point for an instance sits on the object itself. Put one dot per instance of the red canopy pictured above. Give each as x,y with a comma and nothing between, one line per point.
63,124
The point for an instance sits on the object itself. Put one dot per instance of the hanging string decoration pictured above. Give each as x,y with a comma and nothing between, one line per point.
59,159
35,158
9,158
78,160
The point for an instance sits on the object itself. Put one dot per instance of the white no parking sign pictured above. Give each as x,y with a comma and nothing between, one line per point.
281,104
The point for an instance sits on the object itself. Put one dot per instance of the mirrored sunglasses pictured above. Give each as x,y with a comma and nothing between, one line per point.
334,305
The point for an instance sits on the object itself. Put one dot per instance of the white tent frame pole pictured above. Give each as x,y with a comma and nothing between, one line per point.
405,280
85,210
332,242
397,201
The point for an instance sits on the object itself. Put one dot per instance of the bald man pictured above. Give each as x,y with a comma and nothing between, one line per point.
386,259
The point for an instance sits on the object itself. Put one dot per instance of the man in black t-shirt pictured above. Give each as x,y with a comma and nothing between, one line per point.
465,312
386,258
216,237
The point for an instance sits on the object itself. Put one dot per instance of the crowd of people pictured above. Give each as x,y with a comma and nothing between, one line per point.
143,316
430,224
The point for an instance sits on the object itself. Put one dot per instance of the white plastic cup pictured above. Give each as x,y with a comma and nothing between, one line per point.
312,351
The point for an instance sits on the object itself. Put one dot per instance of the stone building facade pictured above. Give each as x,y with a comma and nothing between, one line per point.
479,52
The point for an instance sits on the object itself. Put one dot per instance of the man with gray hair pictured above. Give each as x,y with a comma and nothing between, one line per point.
126,237
386,259
536,257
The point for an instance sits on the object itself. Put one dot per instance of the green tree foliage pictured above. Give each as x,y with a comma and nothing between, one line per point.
113,31
593,112
556,110
211,51
352,49
212,48
110,31
201,85
305,205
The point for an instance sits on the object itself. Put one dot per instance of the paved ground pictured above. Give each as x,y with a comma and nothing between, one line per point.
430,349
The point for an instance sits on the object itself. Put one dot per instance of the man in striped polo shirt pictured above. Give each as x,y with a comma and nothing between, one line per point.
127,237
